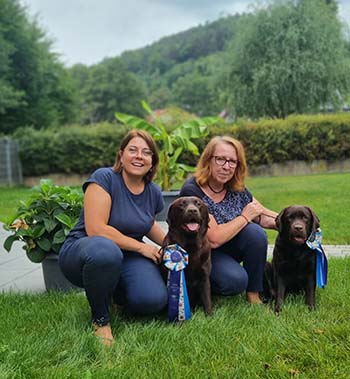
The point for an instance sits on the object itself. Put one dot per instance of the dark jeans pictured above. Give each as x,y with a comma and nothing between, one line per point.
99,266
249,247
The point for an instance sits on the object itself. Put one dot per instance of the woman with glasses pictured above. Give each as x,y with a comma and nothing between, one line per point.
105,253
236,219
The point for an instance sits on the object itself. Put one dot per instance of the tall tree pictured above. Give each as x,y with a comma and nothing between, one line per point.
290,58
333,4
34,86
106,88
196,90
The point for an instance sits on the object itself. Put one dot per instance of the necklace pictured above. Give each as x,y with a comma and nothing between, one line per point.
223,188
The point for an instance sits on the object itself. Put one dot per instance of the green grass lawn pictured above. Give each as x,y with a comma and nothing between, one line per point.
49,336
327,194
10,200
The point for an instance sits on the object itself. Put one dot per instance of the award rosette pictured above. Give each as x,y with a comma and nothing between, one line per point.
314,243
175,259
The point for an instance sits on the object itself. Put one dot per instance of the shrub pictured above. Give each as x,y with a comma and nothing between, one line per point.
44,220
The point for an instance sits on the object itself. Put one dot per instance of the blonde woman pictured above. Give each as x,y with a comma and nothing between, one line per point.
237,219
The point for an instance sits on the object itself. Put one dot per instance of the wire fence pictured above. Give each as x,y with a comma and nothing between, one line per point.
10,164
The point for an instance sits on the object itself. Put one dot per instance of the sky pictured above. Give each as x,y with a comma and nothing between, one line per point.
87,31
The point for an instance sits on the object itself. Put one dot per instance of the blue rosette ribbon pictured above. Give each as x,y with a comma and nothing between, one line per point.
314,243
175,259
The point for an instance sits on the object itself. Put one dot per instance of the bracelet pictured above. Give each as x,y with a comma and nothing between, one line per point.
246,218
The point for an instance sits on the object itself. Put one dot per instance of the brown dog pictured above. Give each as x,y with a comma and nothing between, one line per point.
293,265
188,220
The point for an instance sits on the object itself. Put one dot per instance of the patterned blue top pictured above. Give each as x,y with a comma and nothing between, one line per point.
133,215
224,211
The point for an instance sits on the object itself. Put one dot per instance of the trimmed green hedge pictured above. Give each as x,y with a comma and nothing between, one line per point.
71,149
303,137
81,149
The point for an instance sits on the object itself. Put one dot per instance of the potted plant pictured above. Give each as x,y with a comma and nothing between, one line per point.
42,223
171,145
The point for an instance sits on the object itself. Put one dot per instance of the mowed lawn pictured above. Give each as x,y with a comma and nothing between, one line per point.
49,335
327,195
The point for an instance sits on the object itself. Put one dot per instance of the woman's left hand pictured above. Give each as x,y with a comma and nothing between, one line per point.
252,210
152,252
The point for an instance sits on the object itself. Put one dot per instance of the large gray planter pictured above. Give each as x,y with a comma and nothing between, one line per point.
169,197
53,278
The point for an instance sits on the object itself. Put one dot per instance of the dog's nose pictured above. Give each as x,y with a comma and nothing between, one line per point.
192,209
298,228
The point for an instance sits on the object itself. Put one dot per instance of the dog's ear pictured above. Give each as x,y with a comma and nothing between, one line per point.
278,220
206,217
315,221
170,211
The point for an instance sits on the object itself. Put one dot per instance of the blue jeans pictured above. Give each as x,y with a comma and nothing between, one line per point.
99,266
228,276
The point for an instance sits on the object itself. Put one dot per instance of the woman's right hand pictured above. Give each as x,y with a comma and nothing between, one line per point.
151,252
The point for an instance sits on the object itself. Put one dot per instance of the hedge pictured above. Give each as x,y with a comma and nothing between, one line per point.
303,138
81,149
70,149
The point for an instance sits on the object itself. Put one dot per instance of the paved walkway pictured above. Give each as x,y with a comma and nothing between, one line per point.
18,274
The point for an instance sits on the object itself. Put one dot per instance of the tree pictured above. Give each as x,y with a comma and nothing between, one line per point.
9,96
105,88
290,58
333,4
81,76
34,87
196,91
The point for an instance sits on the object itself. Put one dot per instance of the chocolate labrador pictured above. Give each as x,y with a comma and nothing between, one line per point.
188,220
293,265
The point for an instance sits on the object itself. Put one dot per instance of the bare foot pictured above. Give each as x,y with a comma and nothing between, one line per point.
253,298
104,334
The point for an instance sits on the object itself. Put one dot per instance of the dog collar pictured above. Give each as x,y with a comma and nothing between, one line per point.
314,243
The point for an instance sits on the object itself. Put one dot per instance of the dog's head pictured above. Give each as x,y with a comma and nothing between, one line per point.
188,214
296,223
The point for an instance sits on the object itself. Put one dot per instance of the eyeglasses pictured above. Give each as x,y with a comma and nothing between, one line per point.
133,151
221,161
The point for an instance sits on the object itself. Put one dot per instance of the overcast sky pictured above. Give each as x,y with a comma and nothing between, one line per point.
86,31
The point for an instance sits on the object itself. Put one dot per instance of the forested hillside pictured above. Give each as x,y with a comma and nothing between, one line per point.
285,57
191,44
184,68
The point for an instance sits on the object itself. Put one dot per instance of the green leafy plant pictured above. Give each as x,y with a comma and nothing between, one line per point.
171,143
44,220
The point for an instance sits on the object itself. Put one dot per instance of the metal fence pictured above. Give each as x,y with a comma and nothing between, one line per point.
10,164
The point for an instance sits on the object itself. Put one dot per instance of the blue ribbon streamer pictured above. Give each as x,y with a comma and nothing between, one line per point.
314,243
175,260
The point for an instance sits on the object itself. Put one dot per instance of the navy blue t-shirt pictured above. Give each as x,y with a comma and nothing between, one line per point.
224,211
133,215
